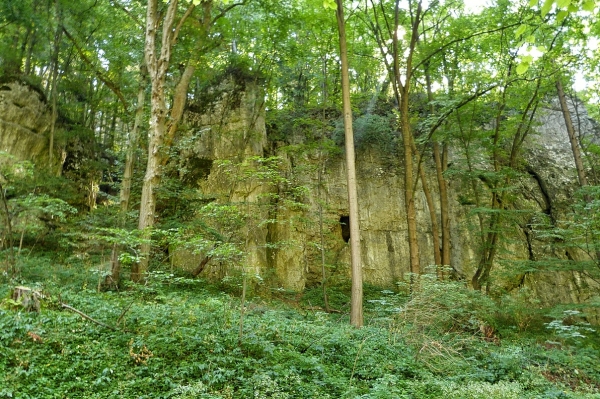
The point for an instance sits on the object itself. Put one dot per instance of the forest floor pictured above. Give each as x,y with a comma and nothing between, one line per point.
181,338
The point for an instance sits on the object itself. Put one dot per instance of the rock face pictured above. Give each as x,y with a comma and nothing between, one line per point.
24,121
228,131
300,241
551,190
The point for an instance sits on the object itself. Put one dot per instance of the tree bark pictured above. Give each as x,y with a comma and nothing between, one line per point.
200,268
572,136
8,236
160,133
499,193
441,160
356,312
402,93
440,166
54,82
435,229
132,145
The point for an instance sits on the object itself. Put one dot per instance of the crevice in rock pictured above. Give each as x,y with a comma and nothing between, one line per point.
544,190
389,242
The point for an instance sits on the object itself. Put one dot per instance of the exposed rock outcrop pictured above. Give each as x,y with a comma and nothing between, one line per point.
289,248
24,121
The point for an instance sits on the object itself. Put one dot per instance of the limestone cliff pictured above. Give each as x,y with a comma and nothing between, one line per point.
24,121
288,250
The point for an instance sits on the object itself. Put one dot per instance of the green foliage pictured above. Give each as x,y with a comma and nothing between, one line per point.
372,130
521,310
27,213
178,338
440,308
301,125
578,234
570,325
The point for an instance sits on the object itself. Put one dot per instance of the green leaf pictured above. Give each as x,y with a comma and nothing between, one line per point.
522,68
532,3
330,4
527,59
530,39
573,8
563,3
547,7
589,5
520,30
561,16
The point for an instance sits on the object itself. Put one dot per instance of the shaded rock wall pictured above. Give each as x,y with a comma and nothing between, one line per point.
289,250
24,121
229,130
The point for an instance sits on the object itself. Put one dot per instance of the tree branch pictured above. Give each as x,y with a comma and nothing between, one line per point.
179,100
462,39
80,313
226,10
185,16
134,18
109,83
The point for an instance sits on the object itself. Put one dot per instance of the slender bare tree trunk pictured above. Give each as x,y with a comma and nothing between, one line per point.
572,136
322,161
132,145
8,237
440,165
441,160
402,92
125,193
158,65
356,312
322,235
54,81
435,228
409,182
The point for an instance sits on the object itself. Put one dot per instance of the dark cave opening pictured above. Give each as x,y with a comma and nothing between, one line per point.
345,225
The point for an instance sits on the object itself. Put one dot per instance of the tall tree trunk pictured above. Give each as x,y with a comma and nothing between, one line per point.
440,166
125,194
54,81
572,135
409,192
109,134
500,195
158,114
441,162
435,229
356,312
322,160
161,137
31,42
402,91
113,280
161,133
11,268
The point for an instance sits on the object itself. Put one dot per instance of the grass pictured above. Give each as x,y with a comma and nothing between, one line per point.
179,338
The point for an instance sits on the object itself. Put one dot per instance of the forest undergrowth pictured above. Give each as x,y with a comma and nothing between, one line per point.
176,337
